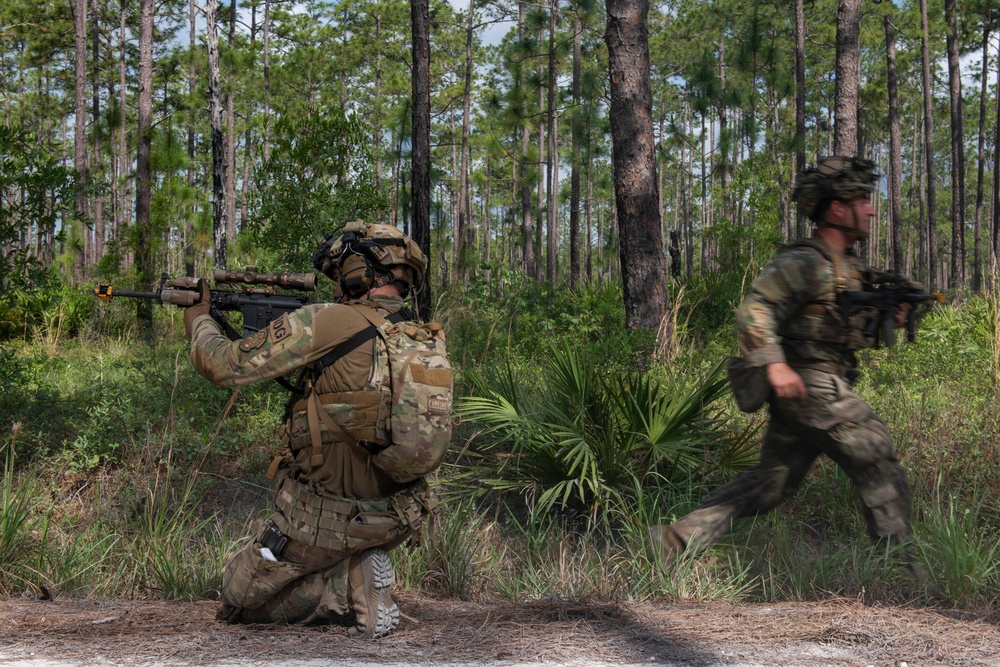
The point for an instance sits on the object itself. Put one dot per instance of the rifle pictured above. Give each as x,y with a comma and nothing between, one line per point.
885,298
249,292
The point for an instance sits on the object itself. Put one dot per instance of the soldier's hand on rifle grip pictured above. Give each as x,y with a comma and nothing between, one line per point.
786,382
201,306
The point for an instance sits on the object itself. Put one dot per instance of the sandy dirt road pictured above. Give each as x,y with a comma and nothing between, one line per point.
438,633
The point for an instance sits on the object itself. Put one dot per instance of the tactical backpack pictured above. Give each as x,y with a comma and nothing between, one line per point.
411,365
402,420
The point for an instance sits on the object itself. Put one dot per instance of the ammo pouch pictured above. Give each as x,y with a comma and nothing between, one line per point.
748,383
347,525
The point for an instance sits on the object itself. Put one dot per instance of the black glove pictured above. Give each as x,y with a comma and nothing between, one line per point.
200,307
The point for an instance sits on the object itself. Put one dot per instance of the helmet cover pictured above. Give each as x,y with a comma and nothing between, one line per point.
833,178
370,255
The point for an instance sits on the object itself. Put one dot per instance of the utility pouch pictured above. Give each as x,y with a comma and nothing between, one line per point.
748,383
273,539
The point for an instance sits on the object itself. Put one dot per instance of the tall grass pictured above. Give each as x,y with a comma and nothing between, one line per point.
109,490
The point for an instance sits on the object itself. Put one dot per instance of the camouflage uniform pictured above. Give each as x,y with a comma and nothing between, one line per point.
791,316
332,505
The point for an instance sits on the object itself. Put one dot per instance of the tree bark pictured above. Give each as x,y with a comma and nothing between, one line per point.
848,77
421,108
996,175
957,149
230,138
527,227
267,80
931,220
123,160
143,186
551,224
895,149
801,222
574,178
463,188
219,222
192,83
634,166
98,249
80,131
977,260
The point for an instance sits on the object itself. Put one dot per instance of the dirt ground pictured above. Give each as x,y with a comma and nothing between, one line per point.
435,632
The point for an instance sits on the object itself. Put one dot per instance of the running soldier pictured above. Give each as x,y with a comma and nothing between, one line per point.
790,326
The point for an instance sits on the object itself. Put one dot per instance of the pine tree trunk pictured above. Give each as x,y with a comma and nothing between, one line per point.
123,160
80,132
931,219
527,231
267,80
551,225
957,150
895,150
230,138
802,223
98,250
634,166
463,190
977,260
421,109
219,222
192,83
574,178
143,185
848,77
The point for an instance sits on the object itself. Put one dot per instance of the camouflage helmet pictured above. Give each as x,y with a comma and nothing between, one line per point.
370,255
833,178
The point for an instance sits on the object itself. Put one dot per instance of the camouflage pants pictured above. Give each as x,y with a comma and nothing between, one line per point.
310,583
833,421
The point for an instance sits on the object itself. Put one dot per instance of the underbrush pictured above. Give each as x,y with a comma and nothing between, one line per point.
128,475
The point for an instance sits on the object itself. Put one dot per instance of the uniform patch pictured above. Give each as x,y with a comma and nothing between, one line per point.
280,329
254,340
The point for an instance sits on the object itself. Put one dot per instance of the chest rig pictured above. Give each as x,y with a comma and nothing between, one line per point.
822,319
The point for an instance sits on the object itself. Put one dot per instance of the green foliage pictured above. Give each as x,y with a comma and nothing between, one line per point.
960,558
318,177
581,437
36,192
18,521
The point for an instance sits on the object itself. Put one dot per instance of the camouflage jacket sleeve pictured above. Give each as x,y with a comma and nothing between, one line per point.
793,279
288,343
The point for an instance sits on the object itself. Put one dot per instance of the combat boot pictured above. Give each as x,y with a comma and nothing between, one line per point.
667,544
375,609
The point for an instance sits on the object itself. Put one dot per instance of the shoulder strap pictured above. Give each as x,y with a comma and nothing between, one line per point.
359,338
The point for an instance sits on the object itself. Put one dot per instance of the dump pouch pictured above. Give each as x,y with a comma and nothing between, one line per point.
748,383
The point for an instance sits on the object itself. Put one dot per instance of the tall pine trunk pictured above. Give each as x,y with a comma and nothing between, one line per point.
848,77
574,178
957,150
80,131
895,150
931,208
219,221
143,186
977,260
421,153
633,161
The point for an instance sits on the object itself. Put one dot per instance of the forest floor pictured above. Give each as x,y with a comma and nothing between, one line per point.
839,633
